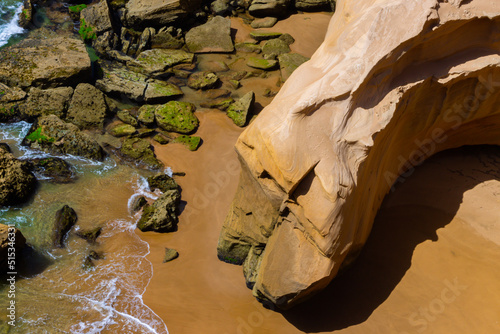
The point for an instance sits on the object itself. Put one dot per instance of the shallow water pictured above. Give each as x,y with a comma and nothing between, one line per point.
9,11
54,294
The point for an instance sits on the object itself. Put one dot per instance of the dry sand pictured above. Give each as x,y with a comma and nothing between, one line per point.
427,267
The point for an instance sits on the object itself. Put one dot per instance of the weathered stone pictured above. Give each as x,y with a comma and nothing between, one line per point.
158,13
97,17
8,235
165,40
64,221
263,8
26,15
140,152
170,254
17,182
157,61
161,139
139,203
163,182
265,22
275,46
88,108
122,130
314,5
159,91
147,114
52,62
287,38
289,63
318,161
220,7
263,64
120,81
161,216
203,80
53,101
90,235
213,36
177,117
51,134
240,110
54,169
248,47
264,35
126,117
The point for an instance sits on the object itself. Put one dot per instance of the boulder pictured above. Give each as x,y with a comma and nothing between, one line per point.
265,22
52,101
88,107
52,135
26,15
314,5
348,124
157,61
177,117
162,182
289,63
158,13
275,46
203,80
122,130
170,254
54,169
64,221
147,114
275,8
141,153
97,17
239,110
159,91
213,36
161,216
262,64
118,80
90,235
11,100
17,182
10,237
45,63
126,117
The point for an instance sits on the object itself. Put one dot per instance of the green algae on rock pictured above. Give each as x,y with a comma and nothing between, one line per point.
161,216
147,114
275,46
122,130
192,142
177,117
156,61
140,152
203,80
261,35
159,91
163,182
262,64
170,254
240,110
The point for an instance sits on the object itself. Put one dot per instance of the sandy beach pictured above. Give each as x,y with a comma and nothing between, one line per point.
431,264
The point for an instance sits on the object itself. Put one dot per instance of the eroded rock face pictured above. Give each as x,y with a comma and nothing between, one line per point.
367,108
17,182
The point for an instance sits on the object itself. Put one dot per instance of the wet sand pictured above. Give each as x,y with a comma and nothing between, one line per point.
426,268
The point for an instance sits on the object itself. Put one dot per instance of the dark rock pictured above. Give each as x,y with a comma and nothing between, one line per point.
126,117
26,15
65,219
5,147
96,17
139,203
314,5
90,235
165,40
170,254
158,13
162,182
17,182
55,169
287,38
161,216
13,236
264,35
263,8
140,152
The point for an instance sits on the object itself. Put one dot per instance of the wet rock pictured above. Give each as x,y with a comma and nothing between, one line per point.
88,264
213,36
240,110
161,216
120,81
41,102
37,62
144,132
203,80
17,182
263,64
11,100
191,142
9,236
54,169
122,130
264,35
158,13
88,107
74,11
157,61
220,7
163,182
126,117
140,152
248,47
147,114
275,46
314,5
96,18
65,219
170,254
5,147
289,62
159,91
139,203
51,134
177,117
263,8
287,38
266,22
235,83
90,235
26,15
221,103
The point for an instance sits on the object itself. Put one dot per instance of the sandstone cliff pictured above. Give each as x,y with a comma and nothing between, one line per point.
395,82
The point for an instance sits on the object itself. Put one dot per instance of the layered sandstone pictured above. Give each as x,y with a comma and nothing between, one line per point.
395,82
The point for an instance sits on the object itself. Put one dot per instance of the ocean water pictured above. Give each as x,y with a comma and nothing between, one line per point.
54,293
9,11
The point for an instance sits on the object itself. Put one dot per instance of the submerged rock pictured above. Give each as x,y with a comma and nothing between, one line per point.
157,61
159,91
161,216
88,107
162,182
54,169
90,235
10,237
177,117
213,36
203,80
275,46
140,152
240,110
17,182
139,203
65,220
52,135
45,63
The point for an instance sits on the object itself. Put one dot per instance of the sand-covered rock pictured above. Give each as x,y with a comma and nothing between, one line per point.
367,108
45,63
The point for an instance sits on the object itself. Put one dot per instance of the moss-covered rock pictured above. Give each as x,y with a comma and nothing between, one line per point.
161,216
161,139
140,152
203,80
147,114
177,117
157,61
275,46
159,91
240,110
192,142
65,219
17,182
120,81
261,35
90,235
262,64
289,62
162,182
248,47
122,130
126,117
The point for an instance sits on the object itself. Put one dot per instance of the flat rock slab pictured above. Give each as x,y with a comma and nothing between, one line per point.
266,22
262,64
156,61
213,36
158,13
47,63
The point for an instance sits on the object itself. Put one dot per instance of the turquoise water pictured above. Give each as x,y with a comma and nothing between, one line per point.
9,11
